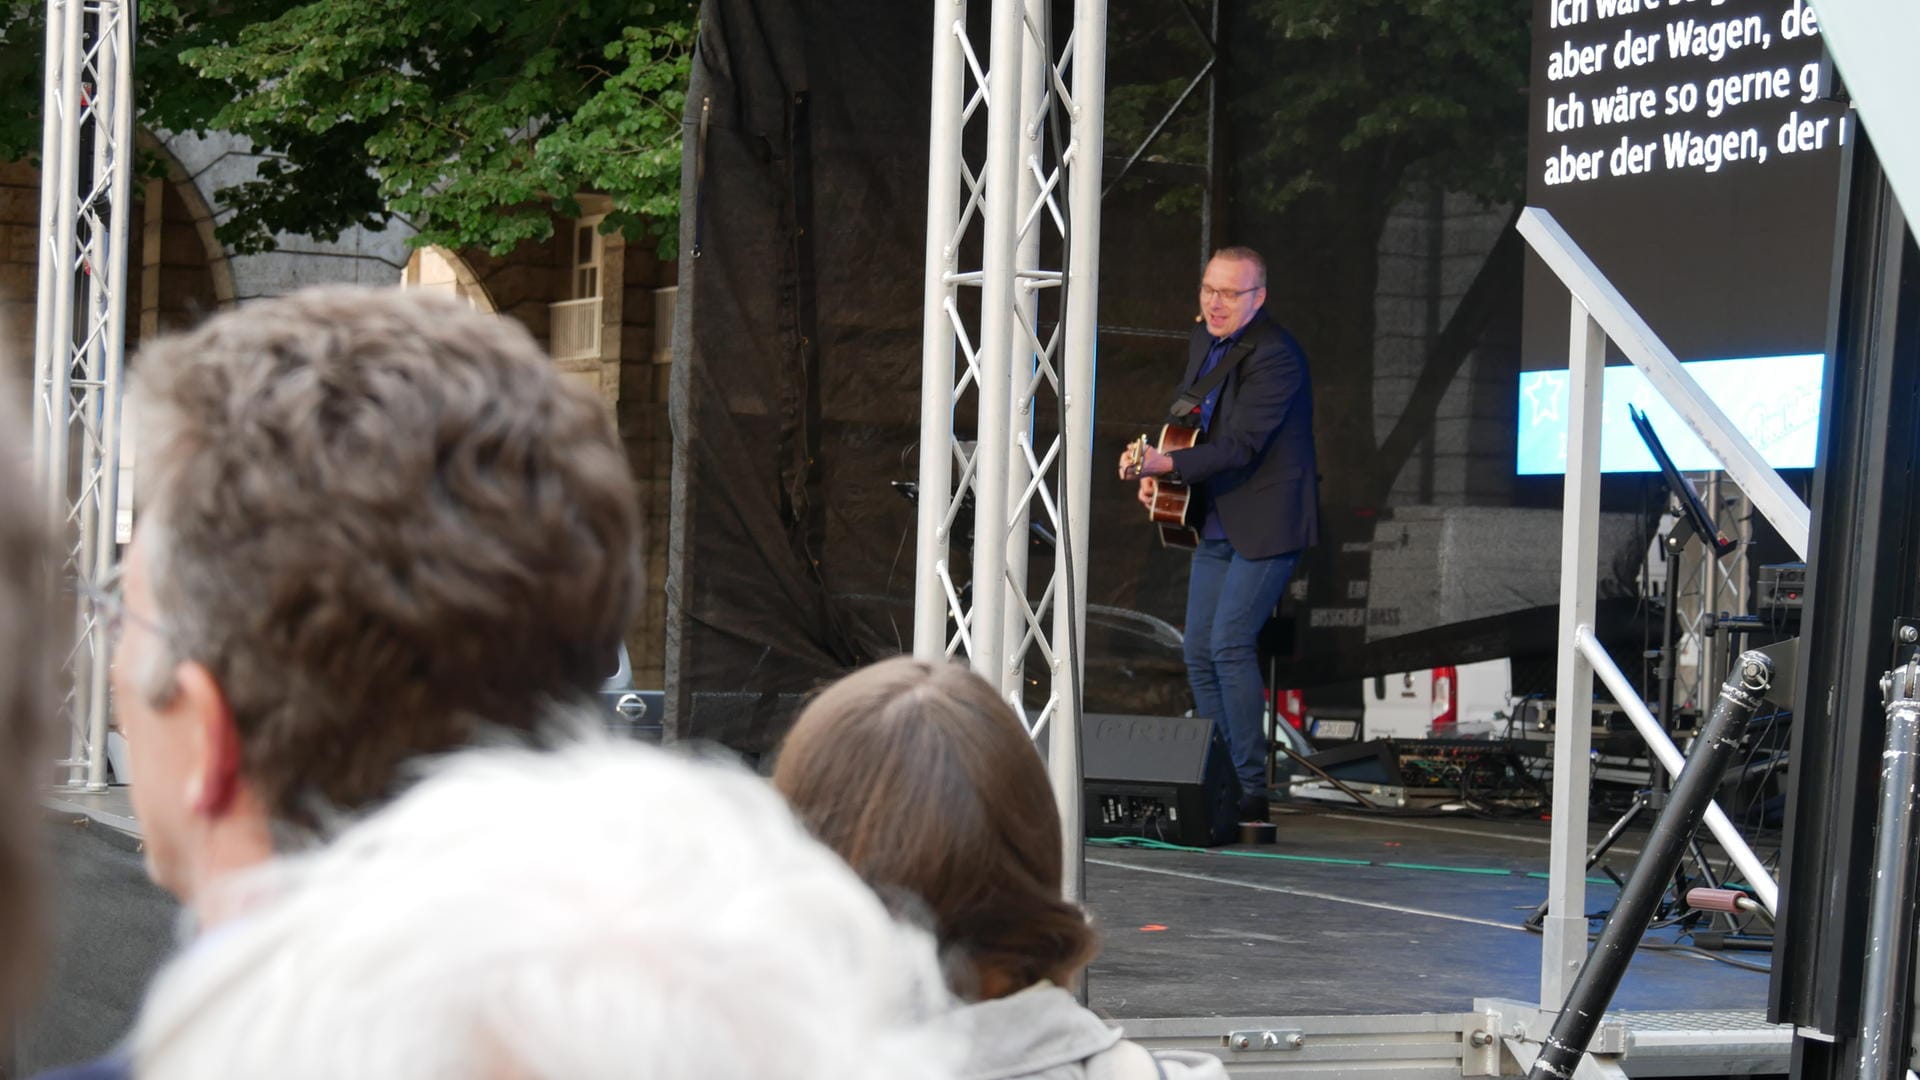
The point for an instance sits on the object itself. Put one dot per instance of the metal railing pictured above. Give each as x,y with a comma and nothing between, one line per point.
1599,314
574,329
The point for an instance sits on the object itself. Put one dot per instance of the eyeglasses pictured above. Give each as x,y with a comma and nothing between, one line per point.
1208,292
109,607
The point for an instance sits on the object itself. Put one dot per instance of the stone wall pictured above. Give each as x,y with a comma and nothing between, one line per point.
646,356
522,282
19,261
177,284
1430,251
629,374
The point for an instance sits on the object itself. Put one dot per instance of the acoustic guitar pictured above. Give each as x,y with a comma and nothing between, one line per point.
1175,509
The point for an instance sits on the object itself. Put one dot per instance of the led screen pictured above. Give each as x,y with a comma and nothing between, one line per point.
1773,400
1692,151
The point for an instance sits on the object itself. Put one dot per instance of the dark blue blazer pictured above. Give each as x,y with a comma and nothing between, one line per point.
1256,463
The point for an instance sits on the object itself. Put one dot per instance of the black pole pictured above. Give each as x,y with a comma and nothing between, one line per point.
1740,695
1671,546
1213,196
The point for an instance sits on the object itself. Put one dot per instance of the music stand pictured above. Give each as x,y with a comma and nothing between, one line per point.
1695,520
1697,517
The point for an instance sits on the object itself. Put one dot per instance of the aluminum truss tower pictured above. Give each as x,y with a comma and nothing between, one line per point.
1006,432
86,164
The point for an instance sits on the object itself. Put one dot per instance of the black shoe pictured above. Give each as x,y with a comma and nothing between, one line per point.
1254,808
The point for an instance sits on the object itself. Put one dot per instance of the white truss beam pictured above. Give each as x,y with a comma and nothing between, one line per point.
86,165
1005,354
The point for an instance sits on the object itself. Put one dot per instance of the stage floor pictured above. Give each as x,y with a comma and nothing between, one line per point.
1232,932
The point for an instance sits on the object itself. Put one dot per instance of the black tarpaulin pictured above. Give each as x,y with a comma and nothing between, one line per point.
797,354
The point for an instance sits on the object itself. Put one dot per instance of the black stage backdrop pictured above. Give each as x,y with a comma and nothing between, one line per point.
797,358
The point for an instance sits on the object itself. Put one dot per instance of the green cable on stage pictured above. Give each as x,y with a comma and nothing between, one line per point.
1149,844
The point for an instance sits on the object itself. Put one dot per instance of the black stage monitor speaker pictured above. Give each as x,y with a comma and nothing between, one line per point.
1166,778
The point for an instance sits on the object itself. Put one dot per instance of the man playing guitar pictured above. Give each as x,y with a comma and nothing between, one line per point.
1254,472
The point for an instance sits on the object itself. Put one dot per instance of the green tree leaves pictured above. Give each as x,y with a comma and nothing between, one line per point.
473,120
1417,91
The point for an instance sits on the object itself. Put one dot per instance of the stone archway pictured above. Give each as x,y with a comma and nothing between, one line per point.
178,272
184,271
441,270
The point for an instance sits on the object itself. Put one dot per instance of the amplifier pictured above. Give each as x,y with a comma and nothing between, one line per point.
1163,777
1780,587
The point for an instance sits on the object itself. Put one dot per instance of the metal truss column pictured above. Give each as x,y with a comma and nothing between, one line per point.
1084,157
1027,207
1021,362
993,447
935,595
80,332
1721,584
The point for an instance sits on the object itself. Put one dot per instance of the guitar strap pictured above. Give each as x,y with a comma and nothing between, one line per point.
1186,407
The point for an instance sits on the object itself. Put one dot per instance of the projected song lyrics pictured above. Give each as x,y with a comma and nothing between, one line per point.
1637,87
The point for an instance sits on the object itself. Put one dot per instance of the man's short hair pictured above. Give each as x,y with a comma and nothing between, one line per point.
1240,253
515,915
385,524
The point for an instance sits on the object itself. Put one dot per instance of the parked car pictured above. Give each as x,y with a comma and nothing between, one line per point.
632,712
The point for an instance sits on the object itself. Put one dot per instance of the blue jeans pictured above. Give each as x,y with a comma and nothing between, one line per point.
1229,599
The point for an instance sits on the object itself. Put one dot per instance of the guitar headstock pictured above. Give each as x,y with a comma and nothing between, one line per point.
1137,454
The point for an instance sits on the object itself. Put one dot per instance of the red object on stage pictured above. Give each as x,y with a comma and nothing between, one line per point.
1446,705
1291,705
